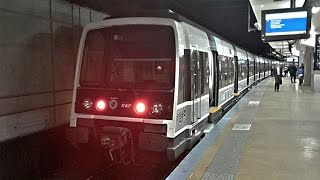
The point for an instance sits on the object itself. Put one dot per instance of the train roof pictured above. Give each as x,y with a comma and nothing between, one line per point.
156,13
170,15
175,16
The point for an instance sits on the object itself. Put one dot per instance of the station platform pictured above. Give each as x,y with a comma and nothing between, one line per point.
266,135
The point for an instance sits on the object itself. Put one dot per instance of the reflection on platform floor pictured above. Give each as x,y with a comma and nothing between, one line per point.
276,137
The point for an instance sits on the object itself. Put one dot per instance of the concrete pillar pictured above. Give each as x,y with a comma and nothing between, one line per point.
316,81
308,64
301,56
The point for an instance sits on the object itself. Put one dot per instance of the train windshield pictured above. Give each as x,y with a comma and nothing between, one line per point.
129,57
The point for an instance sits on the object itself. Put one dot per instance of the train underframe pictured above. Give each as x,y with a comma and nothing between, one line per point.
123,140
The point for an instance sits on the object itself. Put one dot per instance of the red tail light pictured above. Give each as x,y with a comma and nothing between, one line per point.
101,105
140,108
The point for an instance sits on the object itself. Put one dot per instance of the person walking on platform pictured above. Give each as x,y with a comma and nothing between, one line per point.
293,71
300,74
277,74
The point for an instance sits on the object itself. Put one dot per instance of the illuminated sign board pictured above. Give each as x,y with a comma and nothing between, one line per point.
285,24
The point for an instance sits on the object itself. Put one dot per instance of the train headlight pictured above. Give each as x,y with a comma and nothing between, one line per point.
87,103
156,108
140,108
101,105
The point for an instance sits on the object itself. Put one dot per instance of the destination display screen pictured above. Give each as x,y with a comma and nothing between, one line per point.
285,24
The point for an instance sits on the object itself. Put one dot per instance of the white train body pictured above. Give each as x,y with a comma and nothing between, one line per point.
157,77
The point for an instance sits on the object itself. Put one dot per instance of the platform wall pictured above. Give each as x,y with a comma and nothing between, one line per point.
38,47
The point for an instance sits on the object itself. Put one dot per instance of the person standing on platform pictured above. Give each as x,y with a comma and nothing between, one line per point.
293,71
300,74
277,74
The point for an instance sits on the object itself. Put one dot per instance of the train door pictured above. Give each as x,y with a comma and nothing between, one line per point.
214,74
195,85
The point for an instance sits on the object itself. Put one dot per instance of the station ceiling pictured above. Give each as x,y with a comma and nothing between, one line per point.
228,18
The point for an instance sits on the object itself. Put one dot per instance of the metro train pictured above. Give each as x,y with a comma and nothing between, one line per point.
152,81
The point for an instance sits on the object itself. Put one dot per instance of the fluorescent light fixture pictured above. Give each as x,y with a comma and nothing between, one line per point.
315,10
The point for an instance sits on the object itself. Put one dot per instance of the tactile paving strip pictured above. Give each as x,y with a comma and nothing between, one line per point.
224,165
182,171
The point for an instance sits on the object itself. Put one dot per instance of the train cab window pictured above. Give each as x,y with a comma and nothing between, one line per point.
92,72
129,56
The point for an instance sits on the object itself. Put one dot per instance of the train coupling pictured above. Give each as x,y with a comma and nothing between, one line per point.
114,137
118,142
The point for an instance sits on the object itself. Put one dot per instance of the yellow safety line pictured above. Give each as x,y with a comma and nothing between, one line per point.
236,94
214,109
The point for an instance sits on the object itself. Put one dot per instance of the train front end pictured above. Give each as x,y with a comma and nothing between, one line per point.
125,83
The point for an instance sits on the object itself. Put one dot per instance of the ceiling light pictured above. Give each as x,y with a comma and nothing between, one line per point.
262,5
315,10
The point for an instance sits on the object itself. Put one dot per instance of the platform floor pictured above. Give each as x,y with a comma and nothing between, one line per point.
283,141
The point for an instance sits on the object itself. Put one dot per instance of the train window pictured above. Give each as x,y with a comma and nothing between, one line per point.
251,68
244,72
207,68
245,69
185,74
220,70
239,69
260,69
223,71
227,70
195,66
231,70
130,56
204,65
92,72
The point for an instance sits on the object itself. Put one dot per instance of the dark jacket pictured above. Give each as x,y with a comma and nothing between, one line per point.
292,70
274,71
277,78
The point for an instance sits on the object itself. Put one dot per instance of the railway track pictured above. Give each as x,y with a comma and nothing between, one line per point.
151,167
